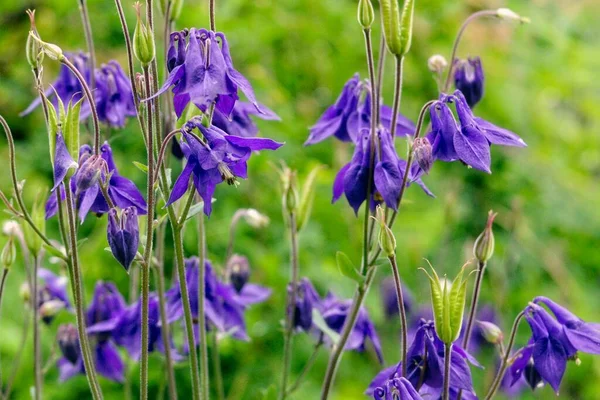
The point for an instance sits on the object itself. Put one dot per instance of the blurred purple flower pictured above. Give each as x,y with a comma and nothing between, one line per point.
307,298
53,290
469,79
239,122
113,95
389,298
216,158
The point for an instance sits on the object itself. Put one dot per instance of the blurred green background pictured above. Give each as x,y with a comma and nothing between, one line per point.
541,82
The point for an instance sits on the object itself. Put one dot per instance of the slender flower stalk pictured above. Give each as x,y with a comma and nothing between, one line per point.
216,359
37,358
505,359
307,367
447,362
402,312
398,77
211,6
289,325
204,381
129,49
474,302
77,287
87,30
3,283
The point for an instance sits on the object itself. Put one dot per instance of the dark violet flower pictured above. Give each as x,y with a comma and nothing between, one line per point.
123,235
307,298
224,306
239,122
121,190
63,162
238,271
390,300
468,142
397,388
89,171
105,308
67,86
113,95
68,342
52,294
426,365
352,180
347,117
469,79
216,158
202,79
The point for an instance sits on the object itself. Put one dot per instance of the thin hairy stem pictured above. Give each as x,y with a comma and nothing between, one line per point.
291,306
232,228
398,76
402,312
216,362
129,49
2,283
87,30
37,357
447,362
204,381
307,367
380,71
211,8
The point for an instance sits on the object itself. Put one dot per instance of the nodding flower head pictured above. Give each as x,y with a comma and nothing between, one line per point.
469,79
123,235
68,342
113,95
238,271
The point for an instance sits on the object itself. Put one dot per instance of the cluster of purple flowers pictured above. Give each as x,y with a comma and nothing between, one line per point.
112,323
113,94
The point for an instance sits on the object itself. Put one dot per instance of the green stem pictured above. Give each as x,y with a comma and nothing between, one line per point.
37,358
204,381
129,49
291,307
338,349
397,95
87,30
402,312
447,362
307,367
78,297
502,370
2,283
474,302
216,359
211,8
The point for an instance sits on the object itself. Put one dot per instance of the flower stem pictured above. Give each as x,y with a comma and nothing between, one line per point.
380,71
204,382
211,7
504,365
447,362
2,283
291,307
129,49
216,359
145,289
232,228
338,348
37,358
402,312
187,311
397,95
165,328
307,367
87,29
78,297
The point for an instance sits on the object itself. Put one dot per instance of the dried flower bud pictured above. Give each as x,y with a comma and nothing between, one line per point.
255,219
491,332
366,14
49,309
25,292
437,63
33,50
484,245
9,253
238,271
387,240
423,153
89,172
143,40
68,342
510,15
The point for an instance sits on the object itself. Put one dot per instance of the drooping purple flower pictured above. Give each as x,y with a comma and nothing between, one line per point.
468,141
67,86
224,306
121,190
307,298
353,179
426,364
239,122
113,95
52,294
486,313
63,162
216,158
237,271
201,71
347,117
389,298
397,388
469,79
123,235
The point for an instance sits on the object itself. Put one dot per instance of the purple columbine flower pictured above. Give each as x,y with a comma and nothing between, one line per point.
201,72
237,271
102,316
67,86
426,365
389,298
113,95
307,298
397,388
121,190
239,122
469,79
52,294
352,180
224,306
217,157
468,142
346,118
123,235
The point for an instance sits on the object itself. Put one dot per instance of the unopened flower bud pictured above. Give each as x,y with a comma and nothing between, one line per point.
49,309
9,253
238,271
143,40
366,14
290,191
89,172
510,15
490,332
50,49
437,63
484,245
33,50
255,219
423,153
25,292
387,240
123,235
68,342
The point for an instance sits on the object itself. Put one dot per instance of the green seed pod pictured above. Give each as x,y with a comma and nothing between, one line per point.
390,18
387,240
71,129
32,239
484,245
33,50
9,253
366,14
143,41
406,25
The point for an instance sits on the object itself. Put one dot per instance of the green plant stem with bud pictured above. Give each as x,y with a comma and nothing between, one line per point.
447,362
203,342
291,305
401,311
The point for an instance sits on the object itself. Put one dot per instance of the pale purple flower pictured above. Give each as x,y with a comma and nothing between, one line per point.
113,95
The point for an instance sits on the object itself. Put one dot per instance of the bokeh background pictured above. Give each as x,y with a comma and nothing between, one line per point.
541,82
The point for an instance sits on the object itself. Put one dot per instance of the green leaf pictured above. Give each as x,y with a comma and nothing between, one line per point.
390,18
320,323
54,251
307,198
458,296
196,208
141,167
347,268
71,128
81,241
52,128
406,25
437,299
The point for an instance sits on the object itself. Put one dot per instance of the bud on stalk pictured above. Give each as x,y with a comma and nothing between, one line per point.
484,245
143,40
33,50
366,14
9,253
387,240
491,332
